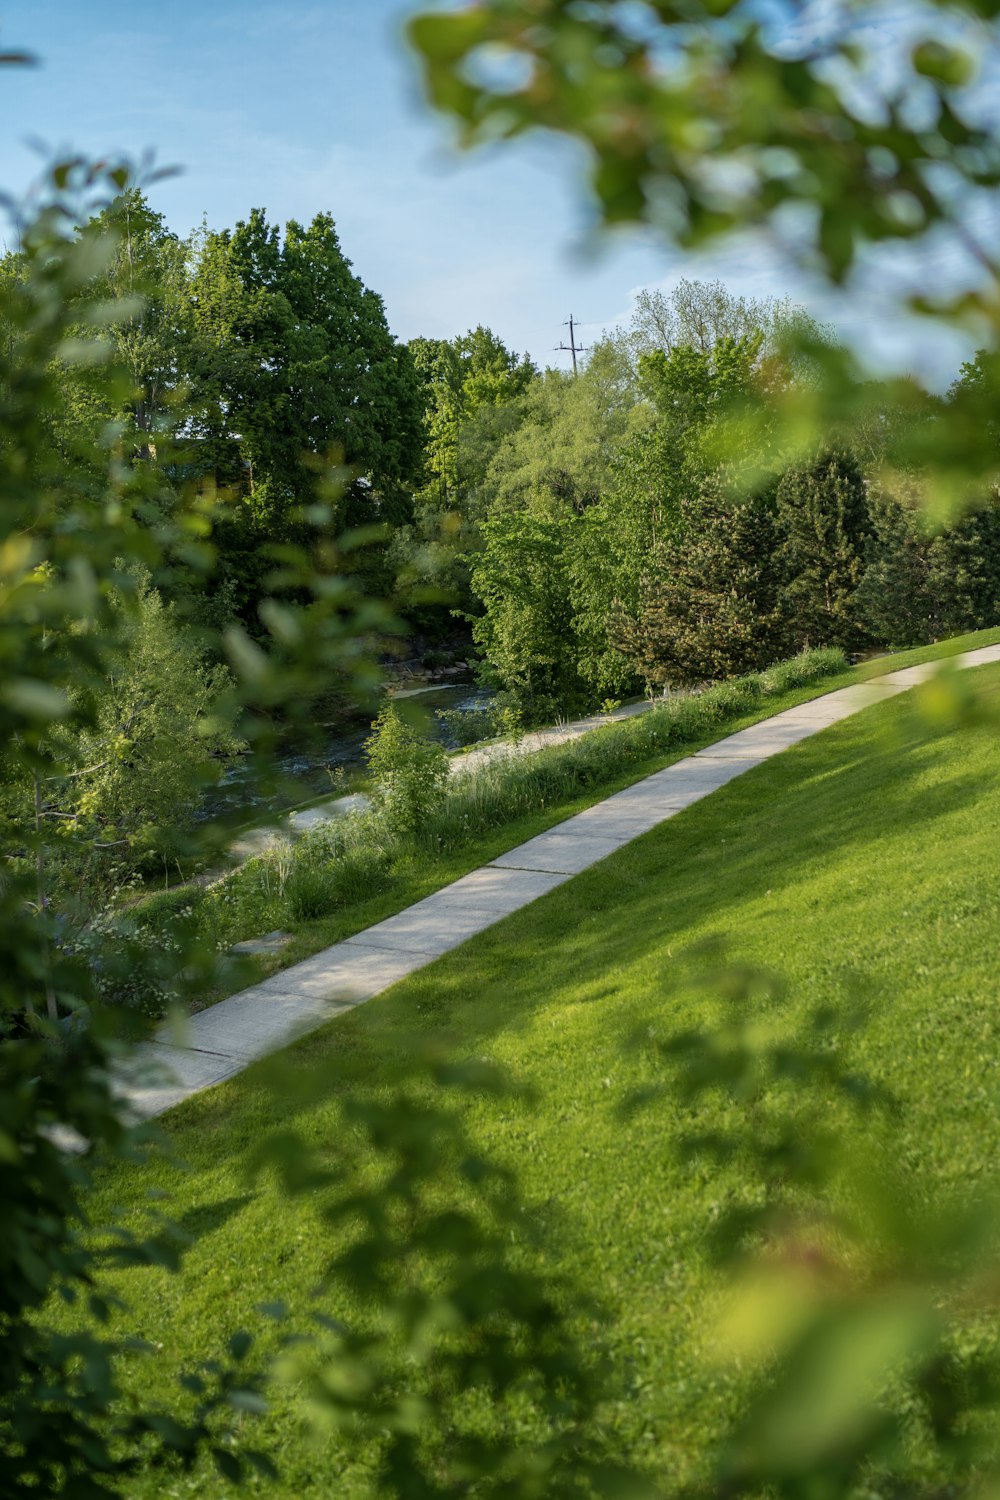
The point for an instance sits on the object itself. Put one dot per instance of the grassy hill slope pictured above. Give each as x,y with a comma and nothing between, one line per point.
869,850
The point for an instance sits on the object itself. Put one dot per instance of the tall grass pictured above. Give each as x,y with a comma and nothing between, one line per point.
345,862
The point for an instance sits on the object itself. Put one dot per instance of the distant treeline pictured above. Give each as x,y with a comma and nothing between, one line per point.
645,522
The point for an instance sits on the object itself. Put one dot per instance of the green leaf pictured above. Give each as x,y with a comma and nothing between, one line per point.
240,1344
249,1401
948,65
10,1152
446,40
33,699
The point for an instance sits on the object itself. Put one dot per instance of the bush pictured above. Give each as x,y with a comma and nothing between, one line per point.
310,891
249,901
468,726
360,875
784,676
322,878
409,772
135,962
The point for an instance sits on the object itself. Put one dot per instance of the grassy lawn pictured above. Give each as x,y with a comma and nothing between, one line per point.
418,873
869,849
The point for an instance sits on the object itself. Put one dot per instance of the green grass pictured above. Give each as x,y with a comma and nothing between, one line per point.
538,791
868,849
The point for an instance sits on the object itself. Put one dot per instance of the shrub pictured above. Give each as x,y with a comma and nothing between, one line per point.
784,676
134,961
359,874
317,885
468,726
247,902
310,890
347,860
409,772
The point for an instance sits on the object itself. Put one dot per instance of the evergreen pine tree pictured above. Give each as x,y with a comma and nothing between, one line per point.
711,609
920,587
824,525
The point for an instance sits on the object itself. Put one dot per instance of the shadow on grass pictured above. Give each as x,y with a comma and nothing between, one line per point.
203,1219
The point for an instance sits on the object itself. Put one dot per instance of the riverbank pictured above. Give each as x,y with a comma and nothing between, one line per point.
461,763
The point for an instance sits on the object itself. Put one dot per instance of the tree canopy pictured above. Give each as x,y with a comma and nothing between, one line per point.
295,361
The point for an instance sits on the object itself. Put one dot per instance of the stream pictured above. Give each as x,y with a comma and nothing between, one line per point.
320,771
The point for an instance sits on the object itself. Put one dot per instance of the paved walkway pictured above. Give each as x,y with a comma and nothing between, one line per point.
225,1039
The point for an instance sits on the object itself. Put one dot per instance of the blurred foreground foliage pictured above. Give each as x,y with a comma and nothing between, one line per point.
825,132
83,532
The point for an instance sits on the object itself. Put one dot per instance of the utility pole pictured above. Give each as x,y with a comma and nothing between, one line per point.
572,347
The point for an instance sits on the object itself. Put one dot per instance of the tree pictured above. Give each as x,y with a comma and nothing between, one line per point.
710,607
667,455
472,388
562,451
969,424
463,377
147,281
526,629
556,468
159,734
293,368
700,314
824,525
604,463
920,584
295,360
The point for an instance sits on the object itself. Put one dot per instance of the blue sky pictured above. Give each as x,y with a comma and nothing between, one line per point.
300,107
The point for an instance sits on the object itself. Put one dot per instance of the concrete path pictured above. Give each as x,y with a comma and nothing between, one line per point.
225,1039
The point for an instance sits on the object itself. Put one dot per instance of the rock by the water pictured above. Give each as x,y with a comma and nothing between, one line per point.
271,942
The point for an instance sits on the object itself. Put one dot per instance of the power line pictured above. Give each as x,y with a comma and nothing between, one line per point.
572,347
